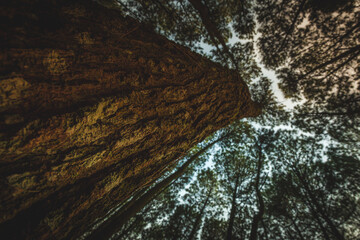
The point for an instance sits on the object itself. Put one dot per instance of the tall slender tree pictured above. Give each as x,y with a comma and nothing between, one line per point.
314,48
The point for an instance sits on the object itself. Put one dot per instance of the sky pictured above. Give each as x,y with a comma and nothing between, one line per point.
288,103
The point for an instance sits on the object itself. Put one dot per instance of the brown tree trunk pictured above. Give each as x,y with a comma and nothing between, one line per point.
93,106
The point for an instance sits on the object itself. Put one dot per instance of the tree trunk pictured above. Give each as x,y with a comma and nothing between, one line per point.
292,27
355,50
265,229
258,216
211,28
233,209
93,105
305,199
317,207
200,216
297,229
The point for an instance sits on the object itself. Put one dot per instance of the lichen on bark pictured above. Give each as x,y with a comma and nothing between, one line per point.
94,106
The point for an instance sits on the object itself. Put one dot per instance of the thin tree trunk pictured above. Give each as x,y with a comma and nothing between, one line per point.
318,207
258,216
313,211
93,105
355,50
200,216
233,209
211,27
292,27
317,219
296,228
265,229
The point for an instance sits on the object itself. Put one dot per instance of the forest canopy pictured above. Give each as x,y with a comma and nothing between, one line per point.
180,119
291,173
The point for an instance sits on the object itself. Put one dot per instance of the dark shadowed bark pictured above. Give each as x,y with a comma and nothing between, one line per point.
93,107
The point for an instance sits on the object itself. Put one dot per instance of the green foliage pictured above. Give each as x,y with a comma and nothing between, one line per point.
314,48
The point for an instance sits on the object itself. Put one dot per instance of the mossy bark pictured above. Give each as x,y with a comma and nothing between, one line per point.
94,106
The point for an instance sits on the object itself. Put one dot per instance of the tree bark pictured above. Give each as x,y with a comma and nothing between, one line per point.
93,105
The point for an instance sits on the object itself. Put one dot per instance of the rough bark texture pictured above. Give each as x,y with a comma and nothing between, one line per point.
93,106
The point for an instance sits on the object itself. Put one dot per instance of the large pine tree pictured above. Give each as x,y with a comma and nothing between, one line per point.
94,106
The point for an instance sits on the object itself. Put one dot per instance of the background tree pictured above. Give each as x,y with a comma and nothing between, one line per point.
302,200
314,48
